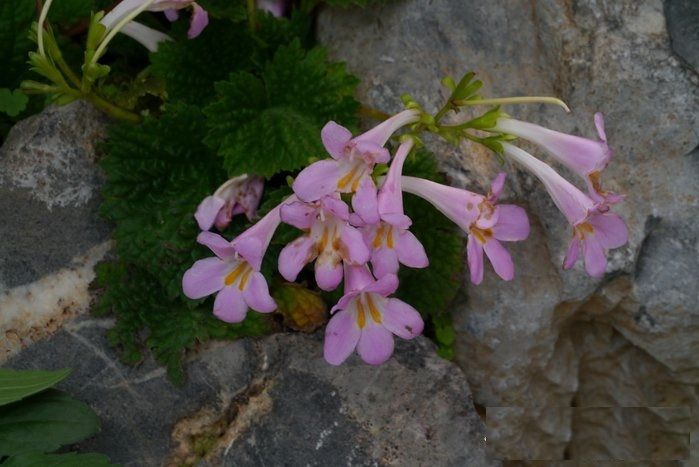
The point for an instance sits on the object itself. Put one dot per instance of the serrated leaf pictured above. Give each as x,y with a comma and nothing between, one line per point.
70,459
12,102
18,384
44,422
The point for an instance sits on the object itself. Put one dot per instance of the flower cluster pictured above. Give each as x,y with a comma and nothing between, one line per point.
356,232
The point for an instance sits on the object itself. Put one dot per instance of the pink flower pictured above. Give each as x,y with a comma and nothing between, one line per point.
198,20
594,231
366,319
486,224
390,240
329,238
351,166
237,196
585,157
234,273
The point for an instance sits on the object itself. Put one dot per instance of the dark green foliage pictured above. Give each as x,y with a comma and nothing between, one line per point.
268,124
70,459
18,384
235,10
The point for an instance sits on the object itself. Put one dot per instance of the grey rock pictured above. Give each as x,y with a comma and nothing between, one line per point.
683,24
528,346
269,402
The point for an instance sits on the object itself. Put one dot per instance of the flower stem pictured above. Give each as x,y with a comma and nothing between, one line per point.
111,109
516,100
40,26
252,15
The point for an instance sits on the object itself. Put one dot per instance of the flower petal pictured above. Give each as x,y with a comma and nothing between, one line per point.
364,201
299,214
384,261
500,259
595,260
402,319
372,153
341,336
329,272
335,139
295,256
474,251
512,225
599,124
610,230
207,211
354,250
317,180
375,344
336,207
410,251
171,14
256,294
496,187
216,243
384,286
573,253
356,279
230,306
198,21
204,277
249,248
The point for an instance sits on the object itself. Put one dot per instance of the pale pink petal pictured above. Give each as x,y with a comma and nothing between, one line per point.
380,134
216,243
207,211
354,249
171,14
384,261
372,153
328,272
250,248
198,21
512,225
384,286
204,277
610,230
573,253
336,207
595,259
599,124
375,344
500,259
335,139
410,251
295,256
364,201
341,337
474,252
317,180
496,187
230,306
256,294
299,214
356,278
402,319
398,220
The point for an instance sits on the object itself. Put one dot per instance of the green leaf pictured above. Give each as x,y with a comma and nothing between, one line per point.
444,335
18,384
12,102
271,124
70,459
44,422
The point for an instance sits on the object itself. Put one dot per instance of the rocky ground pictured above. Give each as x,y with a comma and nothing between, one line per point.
566,366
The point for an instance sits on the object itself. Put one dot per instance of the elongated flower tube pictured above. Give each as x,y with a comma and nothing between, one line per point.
239,195
148,37
390,240
485,223
198,21
234,273
366,318
585,157
353,160
594,231
329,240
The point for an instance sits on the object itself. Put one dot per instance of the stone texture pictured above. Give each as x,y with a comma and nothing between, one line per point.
551,341
269,402
51,232
683,24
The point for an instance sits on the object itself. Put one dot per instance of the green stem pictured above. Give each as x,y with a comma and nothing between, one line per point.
445,108
252,15
40,26
57,57
111,109
516,100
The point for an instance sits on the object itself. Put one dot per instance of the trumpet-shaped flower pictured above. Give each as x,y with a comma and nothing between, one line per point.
198,21
585,157
329,240
234,273
390,240
366,318
352,163
486,223
148,37
238,195
594,231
